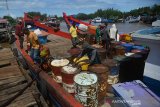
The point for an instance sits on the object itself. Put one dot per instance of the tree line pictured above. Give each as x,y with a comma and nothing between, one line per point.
106,13
116,14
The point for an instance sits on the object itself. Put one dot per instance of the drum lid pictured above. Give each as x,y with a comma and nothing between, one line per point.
69,69
60,63
85,78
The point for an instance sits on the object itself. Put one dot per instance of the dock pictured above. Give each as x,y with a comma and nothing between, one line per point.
13,79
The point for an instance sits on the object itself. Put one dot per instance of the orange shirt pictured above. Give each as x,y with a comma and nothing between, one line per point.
32,39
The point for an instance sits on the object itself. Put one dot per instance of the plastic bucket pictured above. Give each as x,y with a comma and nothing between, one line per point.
56,69
42,39
68,73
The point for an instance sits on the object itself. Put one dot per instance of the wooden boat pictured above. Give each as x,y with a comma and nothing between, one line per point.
49,88
70,19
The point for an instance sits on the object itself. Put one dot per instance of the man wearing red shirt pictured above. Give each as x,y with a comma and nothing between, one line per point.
19,33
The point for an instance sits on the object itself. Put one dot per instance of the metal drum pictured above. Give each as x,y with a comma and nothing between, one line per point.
120,50
113,70
86,89
56,68
102,73
128,47
68,73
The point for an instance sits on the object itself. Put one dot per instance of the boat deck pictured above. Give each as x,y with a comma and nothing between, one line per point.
12,80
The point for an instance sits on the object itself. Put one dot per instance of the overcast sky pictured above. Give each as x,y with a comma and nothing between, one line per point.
52,7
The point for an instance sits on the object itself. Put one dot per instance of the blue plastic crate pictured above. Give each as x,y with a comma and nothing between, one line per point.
42,39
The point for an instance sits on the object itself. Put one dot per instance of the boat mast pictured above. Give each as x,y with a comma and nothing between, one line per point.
7,7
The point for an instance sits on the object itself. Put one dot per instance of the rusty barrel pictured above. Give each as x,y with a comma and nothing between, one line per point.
74,52
113,74
86,88
102,73
102,53
120,50
57,65
68,73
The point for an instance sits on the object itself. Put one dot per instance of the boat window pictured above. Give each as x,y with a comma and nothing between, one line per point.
2,25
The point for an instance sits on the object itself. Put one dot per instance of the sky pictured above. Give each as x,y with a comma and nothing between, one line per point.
52,7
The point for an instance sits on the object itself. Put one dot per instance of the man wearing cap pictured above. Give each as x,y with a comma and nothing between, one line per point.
91,53
19,33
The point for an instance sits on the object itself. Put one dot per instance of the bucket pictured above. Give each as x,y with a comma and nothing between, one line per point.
56,68
102,72
68,73
120,50
86,89
42,39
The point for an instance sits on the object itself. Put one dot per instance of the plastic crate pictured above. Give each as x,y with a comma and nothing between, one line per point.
42,39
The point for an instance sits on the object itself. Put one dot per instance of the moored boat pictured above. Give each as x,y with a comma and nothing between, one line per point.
53,90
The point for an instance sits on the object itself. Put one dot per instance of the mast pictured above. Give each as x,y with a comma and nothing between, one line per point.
7,7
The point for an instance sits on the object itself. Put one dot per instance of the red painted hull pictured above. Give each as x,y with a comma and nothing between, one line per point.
91,28
65,99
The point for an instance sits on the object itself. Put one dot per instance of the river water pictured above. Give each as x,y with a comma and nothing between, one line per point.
122,27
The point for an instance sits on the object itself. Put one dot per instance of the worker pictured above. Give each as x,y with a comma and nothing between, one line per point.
98,35
32,40
44,56
19,33
74,36
105,37
113,32
91,53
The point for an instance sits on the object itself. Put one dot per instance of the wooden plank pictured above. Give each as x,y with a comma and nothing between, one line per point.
12,89
10,80
27,101
25,94
6,72
12,84
4,63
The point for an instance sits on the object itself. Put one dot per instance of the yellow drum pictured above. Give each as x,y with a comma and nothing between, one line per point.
82,62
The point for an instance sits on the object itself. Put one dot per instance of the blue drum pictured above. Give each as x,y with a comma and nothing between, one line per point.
128,47
138,47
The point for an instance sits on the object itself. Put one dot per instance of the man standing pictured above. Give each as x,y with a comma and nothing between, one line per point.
19,33
32,39
113,32
106,37
73,32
